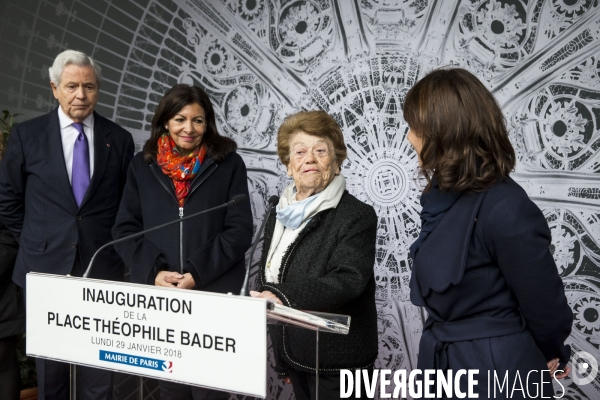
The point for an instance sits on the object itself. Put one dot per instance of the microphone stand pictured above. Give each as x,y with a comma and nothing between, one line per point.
273,200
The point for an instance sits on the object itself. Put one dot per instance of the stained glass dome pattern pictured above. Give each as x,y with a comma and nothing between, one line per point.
260,60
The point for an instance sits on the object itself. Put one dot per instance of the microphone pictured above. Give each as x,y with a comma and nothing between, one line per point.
273,201
235,200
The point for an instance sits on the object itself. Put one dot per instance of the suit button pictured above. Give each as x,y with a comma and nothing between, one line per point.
79,218
73,245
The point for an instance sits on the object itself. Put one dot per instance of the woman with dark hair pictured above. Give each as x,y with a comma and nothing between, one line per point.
186,167
482,266
318,254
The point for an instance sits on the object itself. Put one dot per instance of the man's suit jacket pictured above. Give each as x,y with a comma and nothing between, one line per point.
38,206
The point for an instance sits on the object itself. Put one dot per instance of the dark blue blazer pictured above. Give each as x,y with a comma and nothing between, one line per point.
492,290
38,206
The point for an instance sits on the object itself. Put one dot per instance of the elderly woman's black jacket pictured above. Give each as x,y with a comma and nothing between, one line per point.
213,245
328,268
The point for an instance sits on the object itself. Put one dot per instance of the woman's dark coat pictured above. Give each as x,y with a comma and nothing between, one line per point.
12,310
328,268
213,244
491,287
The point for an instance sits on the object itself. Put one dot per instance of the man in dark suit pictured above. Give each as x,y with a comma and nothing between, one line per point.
61,181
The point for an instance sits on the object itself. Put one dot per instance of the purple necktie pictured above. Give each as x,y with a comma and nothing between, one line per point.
81,164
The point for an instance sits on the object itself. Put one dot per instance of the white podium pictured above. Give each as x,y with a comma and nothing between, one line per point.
183,336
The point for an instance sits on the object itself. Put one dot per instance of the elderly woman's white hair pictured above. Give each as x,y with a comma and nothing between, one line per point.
72,57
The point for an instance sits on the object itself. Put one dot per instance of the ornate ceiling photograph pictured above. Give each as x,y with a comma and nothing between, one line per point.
261,60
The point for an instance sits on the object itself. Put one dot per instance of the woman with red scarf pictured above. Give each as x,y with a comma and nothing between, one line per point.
185,167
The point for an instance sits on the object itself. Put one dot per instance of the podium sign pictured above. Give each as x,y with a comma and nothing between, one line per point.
199,338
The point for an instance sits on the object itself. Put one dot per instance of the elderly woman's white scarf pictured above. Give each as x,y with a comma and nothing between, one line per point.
292,217
292,213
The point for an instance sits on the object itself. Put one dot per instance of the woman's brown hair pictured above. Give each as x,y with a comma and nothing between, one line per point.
463,131
173,101
316,123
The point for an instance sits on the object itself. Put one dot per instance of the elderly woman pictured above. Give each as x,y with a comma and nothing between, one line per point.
318,255
186,167
482,266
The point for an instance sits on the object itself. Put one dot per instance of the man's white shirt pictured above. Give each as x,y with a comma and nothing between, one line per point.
69,134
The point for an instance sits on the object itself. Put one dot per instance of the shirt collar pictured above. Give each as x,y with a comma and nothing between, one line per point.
65,121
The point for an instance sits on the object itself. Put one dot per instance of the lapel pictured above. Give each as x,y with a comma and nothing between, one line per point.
441,260
268,238
208,161
56,155
314,222
165,181
102,147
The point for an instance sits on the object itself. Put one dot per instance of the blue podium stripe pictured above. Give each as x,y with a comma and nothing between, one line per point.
135,361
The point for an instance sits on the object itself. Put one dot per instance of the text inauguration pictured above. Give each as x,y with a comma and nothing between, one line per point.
138,300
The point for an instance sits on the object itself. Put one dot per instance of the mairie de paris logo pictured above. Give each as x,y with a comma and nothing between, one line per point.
136,361
167,366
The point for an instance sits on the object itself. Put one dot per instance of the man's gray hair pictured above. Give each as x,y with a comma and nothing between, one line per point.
72,57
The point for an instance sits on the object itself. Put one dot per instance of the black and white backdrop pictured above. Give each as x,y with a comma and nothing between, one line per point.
262,59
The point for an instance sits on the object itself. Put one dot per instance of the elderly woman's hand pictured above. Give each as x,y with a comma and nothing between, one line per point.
266,295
